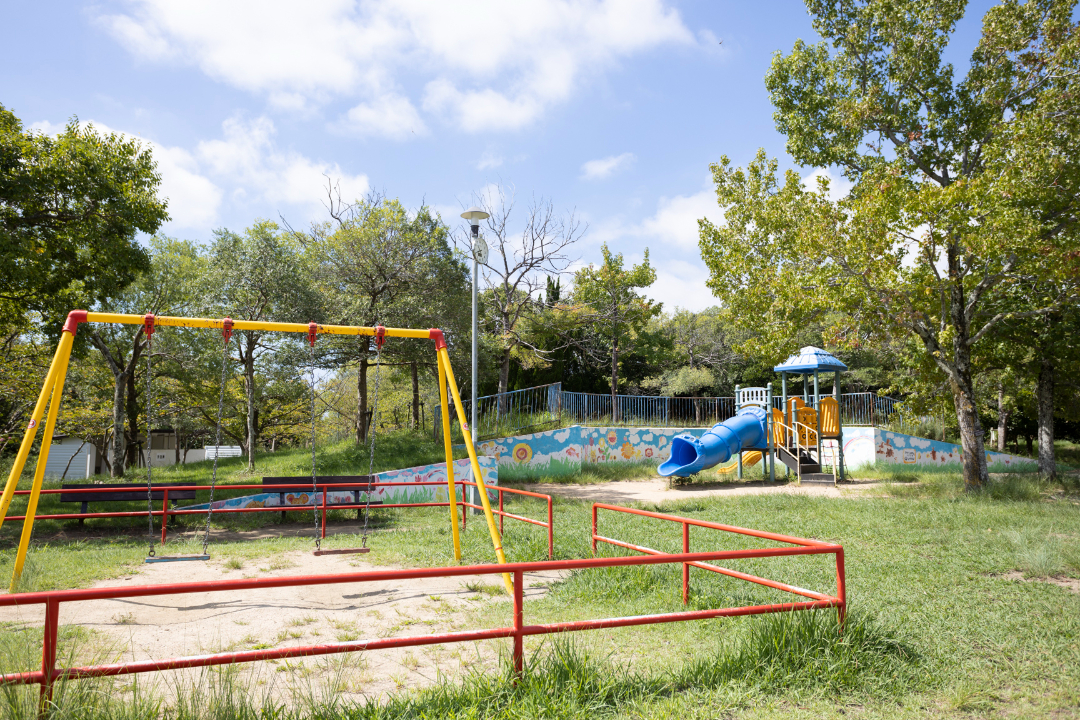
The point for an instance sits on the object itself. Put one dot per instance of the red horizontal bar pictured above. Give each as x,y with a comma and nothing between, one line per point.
541,523
776,585
110,593
114,669
715,526
675,617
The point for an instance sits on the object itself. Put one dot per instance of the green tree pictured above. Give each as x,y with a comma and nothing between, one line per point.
259,276
167,287
605,300
71,209
960,188
377,263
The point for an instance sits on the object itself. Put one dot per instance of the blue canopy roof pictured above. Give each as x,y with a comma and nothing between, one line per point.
809,359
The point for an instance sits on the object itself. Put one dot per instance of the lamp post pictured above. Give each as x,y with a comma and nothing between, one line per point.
479,252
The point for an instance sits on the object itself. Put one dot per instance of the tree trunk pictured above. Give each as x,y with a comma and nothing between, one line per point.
118,456
133,441
615,414
976,475
249,391
504,372
1003,419
1045,392
415,395
361,401
176,446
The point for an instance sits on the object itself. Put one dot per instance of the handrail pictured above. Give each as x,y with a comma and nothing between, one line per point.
49,673
360,486
816,546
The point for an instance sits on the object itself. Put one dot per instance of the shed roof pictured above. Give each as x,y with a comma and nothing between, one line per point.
809,359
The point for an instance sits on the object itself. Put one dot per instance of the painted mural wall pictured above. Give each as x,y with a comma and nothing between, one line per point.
489,468
562,452
900,449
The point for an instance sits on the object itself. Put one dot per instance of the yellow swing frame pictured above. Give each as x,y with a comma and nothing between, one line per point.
53,389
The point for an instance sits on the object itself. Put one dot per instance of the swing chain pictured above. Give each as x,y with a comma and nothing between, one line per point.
148,330
380,339
226,335
312,332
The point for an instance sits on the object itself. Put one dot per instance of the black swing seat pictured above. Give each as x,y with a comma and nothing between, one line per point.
175,558
343,551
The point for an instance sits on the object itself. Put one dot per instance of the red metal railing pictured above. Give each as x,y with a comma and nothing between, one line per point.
166,512
806,547
49,673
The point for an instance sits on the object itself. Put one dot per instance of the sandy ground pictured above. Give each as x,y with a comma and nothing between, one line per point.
658,491
178,625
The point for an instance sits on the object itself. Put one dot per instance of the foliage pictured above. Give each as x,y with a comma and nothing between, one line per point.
961,189
615,317
71,208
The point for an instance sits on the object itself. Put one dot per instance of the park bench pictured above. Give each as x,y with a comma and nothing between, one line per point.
138,492
355,483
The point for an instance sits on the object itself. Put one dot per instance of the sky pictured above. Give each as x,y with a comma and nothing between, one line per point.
610,109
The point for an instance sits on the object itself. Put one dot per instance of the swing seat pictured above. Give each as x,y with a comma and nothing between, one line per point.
175,558
344,551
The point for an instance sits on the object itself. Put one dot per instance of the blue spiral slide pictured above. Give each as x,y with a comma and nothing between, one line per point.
691,455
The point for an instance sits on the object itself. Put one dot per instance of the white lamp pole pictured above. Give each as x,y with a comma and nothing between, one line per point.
479,252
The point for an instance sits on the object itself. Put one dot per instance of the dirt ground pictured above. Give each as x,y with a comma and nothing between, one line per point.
192,624
658,490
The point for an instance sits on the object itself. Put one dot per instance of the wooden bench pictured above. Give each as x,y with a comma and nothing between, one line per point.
355,483
138,492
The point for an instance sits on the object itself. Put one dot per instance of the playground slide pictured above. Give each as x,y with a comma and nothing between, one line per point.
750,459
691,455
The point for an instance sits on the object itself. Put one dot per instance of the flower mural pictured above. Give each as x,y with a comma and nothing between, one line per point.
522,453
627,450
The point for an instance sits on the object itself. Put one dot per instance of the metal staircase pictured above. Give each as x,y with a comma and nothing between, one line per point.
802,462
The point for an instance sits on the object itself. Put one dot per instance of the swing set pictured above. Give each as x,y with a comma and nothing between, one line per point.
52,392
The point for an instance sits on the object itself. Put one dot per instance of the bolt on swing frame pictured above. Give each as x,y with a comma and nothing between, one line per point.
52,392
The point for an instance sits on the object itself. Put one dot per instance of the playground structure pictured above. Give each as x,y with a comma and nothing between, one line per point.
803,433
52,601
52,392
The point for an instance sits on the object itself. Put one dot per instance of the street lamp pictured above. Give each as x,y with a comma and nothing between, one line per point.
479,252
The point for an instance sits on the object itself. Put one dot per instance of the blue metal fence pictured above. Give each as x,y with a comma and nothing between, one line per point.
548,406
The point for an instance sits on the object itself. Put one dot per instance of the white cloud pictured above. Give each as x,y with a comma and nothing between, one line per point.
193,198
489,160
243,167
599,169
485,65
388,116
676,219
839,186
247,157
680,284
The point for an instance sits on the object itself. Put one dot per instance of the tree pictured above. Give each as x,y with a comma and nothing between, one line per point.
377,263
167,287
605,300
518,263
960,189
257,276
71,208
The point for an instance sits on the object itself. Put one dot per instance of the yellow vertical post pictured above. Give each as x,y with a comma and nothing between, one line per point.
444,358
451,491
43,459
63,349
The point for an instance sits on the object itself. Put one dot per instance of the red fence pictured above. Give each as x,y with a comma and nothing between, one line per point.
166,512
49,673
807,547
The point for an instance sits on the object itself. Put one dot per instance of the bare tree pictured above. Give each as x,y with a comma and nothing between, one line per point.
519,263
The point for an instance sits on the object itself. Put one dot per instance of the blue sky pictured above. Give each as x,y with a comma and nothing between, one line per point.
611,109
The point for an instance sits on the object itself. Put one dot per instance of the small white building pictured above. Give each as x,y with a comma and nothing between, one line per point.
71,458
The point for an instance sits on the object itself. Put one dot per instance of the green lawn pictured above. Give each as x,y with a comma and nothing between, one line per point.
938,625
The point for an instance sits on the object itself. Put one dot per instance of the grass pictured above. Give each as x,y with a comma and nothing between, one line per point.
936,628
